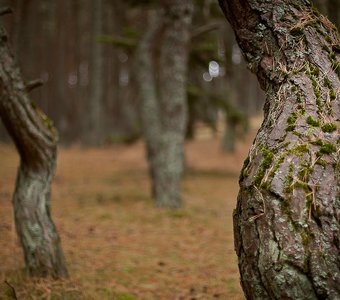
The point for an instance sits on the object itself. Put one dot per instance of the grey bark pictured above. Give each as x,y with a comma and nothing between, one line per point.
36,141
162,80
286,223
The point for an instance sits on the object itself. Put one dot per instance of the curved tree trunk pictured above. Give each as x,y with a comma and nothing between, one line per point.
162,81
36,141
287,220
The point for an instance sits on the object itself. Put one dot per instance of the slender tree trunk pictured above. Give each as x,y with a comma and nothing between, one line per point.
229,136
36,142
286,223
96,101
164,110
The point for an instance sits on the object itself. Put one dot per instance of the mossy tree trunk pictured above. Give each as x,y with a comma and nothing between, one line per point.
287,220
36,141
162,59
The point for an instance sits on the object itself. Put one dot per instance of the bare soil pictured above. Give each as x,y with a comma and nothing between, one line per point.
117,244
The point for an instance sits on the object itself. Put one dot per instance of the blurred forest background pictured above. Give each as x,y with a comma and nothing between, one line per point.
117,245
84,52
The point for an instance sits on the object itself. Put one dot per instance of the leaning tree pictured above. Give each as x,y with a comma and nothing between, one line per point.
287,220
36,141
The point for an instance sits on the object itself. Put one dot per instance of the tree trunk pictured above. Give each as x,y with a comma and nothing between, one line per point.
36,142
229,136
286,222
96,101
164,110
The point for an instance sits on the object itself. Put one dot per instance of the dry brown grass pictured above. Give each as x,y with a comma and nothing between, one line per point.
117,245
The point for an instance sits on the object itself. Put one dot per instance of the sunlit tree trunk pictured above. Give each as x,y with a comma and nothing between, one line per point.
286,223
162,79
36,141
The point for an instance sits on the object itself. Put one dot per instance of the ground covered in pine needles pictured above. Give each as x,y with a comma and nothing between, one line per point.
117,244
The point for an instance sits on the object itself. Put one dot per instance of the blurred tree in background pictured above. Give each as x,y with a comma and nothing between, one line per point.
162,65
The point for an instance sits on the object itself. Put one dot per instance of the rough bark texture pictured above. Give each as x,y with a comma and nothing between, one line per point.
287,220
36,142
162,79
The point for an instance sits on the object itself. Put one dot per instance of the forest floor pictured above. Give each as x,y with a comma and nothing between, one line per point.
117,244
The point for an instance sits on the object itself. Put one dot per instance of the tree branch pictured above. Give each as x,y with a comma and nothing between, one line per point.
205,28
118,41
5,10
33,84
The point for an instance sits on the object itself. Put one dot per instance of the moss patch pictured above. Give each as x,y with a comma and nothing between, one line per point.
291,121
329,127
265,164
244,170
312,122
327,148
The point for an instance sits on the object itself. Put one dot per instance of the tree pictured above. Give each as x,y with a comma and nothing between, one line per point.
286,222
162,79
95,116
36,141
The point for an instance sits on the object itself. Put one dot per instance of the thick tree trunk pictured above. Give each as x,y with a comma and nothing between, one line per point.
164,110
36,142
287,220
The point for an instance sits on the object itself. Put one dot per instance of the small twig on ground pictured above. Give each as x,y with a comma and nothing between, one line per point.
14,294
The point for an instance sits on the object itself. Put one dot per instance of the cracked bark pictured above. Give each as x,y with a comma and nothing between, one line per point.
36,141
162,65
286,223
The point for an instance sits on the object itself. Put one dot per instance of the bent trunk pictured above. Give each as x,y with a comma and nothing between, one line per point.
287,217
36,141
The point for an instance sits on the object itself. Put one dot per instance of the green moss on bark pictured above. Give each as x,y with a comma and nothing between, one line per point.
312,122
329,127
265,165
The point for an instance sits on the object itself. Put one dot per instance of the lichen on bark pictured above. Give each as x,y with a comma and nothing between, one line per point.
36,141
286,222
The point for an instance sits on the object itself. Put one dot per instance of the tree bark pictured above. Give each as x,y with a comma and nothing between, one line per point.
286,222
36,141
162,80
